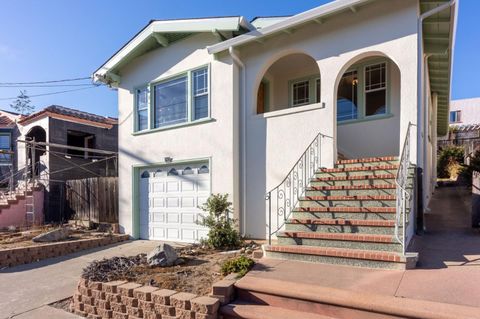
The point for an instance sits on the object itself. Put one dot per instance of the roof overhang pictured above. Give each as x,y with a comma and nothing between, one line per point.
44,113
316,14
439,42
161,33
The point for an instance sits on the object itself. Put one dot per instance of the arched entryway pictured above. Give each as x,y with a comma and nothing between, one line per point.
35,134
290,81
368,107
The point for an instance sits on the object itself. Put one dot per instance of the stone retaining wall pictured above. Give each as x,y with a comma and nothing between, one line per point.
127,300
25,255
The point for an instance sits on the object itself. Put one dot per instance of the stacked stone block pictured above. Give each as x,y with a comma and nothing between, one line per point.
126,300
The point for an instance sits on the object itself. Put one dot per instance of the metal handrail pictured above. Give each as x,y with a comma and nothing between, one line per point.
286,194
403,196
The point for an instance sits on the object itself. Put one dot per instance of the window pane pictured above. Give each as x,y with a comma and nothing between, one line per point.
347,96
171,102
452,117
201,107
375,102
142,107
375,77
301,93
5,146
200,93
317,89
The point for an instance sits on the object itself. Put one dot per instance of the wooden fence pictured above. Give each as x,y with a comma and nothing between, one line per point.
93,199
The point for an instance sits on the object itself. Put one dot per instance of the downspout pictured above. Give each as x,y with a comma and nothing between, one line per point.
243,136
421,118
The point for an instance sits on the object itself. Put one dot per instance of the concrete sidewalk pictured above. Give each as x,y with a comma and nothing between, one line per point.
26,290
448,269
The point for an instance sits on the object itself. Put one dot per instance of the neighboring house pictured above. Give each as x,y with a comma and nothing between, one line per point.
464,127
221,105
54,165
8,135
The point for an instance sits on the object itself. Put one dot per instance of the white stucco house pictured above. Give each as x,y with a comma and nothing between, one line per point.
223,105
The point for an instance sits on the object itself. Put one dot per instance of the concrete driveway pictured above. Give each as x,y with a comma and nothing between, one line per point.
26,290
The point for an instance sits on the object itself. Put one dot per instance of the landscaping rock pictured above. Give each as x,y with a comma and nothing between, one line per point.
163,255
53,235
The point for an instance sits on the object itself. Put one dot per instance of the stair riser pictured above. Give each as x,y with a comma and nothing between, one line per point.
367,164
332,311
342,215
352,192
340,229
376,181
337,260
347,203
340,244
355,173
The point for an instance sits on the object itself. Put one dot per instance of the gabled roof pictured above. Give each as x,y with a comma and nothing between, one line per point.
262,22
161,33
69,114
315,14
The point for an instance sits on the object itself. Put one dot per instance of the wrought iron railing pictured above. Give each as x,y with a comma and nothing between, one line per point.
282,199
403,195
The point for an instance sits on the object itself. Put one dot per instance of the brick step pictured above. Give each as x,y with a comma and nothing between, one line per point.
349,201
323,225
253,311
357,171
365,215
351,190
340,303
371,179
339,240
343,256
369,160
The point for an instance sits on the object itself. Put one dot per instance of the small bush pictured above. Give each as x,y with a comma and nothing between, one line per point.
449,161
222,233
240,265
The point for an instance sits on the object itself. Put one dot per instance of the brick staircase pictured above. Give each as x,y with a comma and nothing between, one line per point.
346,217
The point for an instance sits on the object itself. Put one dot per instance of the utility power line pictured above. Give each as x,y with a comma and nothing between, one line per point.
51,93
45,82
45,85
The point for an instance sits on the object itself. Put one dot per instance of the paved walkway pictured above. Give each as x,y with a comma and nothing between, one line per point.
448,269
26,290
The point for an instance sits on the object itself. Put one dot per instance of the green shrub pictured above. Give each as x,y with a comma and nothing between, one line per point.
240,265
449,160
222,233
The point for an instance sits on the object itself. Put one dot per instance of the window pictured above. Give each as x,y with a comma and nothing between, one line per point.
375,89
301,95
347,97
187,171
145,174
203,170
5,148
171,102
317,90
141,102
173,172
80,139
455,116
200,93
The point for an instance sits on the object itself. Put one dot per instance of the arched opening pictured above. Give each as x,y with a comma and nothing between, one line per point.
291,81
368,108
36,134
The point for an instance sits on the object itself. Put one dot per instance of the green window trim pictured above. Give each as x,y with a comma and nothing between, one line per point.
313,96
190,102
361,107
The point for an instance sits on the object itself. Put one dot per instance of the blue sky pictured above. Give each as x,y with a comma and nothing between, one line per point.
58,39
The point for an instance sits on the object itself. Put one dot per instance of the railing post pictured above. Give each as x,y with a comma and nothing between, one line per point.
269,218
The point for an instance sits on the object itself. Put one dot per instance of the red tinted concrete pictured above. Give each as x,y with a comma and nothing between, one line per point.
448,270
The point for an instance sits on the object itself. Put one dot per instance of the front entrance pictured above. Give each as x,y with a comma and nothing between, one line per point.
170,197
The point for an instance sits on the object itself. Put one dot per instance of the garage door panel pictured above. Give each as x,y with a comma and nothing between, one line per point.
170,197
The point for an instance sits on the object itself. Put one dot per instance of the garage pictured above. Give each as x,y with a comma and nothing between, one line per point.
169,201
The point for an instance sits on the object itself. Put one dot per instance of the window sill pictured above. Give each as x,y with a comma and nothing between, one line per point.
366,119
292,110
175,126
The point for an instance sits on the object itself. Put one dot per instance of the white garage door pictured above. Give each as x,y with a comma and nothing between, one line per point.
169,201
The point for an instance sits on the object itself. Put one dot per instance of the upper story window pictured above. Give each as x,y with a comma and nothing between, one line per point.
301,93
376,89
455,116
347,97
5,147
182,99
141,102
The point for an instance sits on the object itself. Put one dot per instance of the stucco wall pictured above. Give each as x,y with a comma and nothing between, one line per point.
274,145
213,140
470,110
